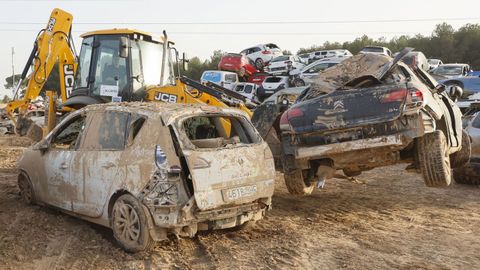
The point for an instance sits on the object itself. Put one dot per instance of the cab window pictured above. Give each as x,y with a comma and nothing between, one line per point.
476,121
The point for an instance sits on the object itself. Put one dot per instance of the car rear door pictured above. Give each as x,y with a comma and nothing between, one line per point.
229,174
99,165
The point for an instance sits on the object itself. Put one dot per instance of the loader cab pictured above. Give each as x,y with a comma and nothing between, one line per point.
118,65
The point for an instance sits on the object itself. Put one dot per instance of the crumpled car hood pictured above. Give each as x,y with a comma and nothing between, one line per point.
354,67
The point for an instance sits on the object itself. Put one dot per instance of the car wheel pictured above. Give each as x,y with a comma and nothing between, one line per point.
433,159
27,193
351,173
129,224
460,158
298,82
297,184
259,63
467,175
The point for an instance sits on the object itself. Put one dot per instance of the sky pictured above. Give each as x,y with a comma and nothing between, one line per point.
199,27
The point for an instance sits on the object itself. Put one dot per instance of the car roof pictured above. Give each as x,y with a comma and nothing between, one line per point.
167,111
219,71
455,65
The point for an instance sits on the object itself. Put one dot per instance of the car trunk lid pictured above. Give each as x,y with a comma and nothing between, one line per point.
343,109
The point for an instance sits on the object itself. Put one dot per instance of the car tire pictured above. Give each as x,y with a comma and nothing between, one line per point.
460,158
433,159
130,225
296,184
27,194
351,173
467,175
259,64
298,82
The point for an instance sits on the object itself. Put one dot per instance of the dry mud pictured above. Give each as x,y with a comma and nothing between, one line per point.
386,219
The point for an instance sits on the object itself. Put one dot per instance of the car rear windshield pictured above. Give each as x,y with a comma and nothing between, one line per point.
273,79
271,46
233,55
476,121
372,49
217,131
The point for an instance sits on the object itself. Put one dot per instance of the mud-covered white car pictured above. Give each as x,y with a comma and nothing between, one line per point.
148,170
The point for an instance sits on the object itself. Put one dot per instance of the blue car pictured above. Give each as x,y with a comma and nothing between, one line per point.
470,84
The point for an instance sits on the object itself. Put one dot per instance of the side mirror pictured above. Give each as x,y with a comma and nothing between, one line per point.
185,61
42,146
123,47
455,92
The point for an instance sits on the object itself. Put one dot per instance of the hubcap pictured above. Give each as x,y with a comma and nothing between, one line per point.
126,222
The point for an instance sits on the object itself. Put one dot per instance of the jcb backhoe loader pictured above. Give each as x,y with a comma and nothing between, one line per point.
113,66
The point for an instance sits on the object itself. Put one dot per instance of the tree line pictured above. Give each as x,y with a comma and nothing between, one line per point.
445,43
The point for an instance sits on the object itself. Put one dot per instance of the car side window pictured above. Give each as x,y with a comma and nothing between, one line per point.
68,136
256,49
107,131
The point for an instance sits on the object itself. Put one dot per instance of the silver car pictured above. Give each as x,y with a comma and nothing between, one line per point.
147,170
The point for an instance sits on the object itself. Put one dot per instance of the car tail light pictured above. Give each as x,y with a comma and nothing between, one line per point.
266,52
414,99
289,115
415,95
395,96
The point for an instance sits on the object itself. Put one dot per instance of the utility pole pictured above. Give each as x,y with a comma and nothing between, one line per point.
13,70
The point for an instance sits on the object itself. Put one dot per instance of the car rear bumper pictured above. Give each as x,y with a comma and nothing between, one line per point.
393,141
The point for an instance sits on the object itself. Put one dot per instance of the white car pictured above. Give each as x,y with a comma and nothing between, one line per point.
271,85
262,54
339,53
284,64
376,50
434,63
303,76
248,90
223,78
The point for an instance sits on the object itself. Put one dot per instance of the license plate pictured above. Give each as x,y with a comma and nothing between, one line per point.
239,192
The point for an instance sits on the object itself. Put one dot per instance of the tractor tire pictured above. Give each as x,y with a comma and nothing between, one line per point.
462,157
296,184
433,159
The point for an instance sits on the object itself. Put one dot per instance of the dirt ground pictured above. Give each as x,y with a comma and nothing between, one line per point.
386,219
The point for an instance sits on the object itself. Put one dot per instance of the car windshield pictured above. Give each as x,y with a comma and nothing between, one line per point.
230,78
281,58
271,46
448,70
373,49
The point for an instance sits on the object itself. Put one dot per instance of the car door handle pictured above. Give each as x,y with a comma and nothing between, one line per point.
108,165
63,165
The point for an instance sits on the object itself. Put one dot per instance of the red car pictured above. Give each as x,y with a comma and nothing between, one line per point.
237,63
258,78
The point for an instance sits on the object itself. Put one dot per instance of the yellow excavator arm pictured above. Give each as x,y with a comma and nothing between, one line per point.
52,45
